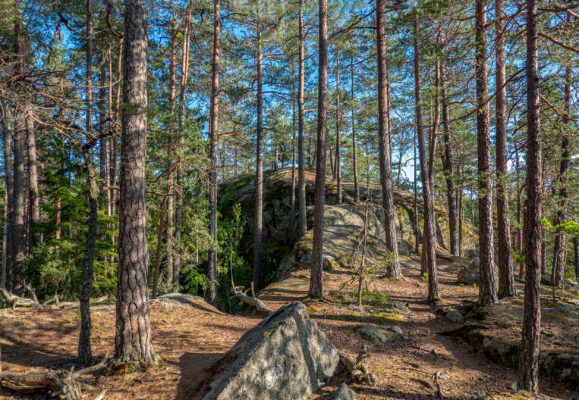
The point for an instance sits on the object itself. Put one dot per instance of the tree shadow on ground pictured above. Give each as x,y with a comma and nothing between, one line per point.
192,366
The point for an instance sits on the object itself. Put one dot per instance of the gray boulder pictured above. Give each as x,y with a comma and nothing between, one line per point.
372,333
286,356
454,316
343,393
470,274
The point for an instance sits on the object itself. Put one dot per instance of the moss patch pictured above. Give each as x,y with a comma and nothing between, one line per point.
385,318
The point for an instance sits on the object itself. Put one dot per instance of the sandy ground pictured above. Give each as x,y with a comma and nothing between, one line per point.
189,338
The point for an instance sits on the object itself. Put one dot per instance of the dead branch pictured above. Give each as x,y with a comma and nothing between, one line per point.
358,370
253,301
64,385
17,301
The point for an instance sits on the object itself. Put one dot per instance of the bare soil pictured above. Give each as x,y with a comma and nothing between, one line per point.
189,338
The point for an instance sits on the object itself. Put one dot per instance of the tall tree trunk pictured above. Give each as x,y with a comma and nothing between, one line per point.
506,274
487,287
7,247
33,193
84,347
519,214
19,227
393,268
532,311
460,217
338,158
133,327
258,250
293,198
449,169
429,235
178,226
214,114
354,139
316,283
103,141
576,258
560,245
415,203
171,149
301,126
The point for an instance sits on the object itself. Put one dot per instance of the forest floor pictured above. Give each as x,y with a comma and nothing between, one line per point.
190,337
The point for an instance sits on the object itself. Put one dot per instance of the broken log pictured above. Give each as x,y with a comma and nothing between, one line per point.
252,301
64,385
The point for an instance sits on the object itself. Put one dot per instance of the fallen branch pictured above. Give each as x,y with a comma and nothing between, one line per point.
14,300
253,301
60,384
17,301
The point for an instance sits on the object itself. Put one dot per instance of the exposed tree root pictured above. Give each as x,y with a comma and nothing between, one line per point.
357,369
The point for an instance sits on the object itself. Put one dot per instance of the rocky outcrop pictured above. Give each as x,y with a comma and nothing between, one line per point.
286,356
343,223
562,366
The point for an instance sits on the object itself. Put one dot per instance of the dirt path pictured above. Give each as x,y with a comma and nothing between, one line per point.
190,339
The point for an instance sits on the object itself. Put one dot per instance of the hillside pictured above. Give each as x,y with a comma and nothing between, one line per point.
343,222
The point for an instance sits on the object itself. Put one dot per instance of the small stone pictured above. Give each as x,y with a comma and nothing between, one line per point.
454,316
372,333
343,393
567,307
396,329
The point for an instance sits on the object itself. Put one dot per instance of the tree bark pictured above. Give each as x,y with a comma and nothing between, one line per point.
354,139
316,283
415,202
487,287
19,227
519,214
84,347
338,158
7,247
532,301
178,225
449,168
103,141
293,195
393,268
258,250
171,149
506,274
133,327
429,236
560,244
576,258
33,193
214,115
301,126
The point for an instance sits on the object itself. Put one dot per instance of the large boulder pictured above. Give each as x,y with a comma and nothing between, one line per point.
286,356
470,274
